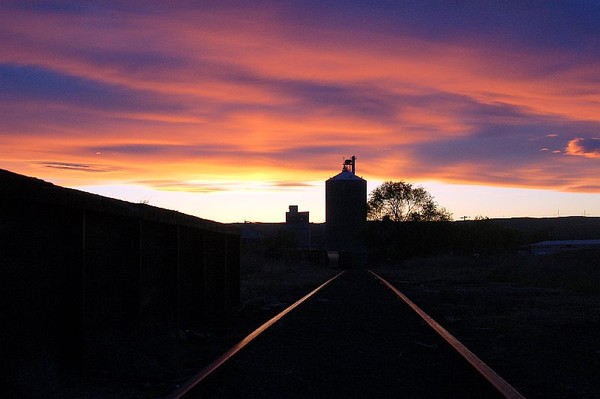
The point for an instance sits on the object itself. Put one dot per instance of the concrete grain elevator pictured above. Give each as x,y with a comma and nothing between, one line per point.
345,209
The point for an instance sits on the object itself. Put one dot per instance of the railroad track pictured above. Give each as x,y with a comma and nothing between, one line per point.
349,338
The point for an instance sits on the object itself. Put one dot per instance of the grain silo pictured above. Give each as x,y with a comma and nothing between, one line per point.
345,208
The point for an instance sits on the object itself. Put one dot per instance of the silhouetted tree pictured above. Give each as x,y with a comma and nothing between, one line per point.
401,201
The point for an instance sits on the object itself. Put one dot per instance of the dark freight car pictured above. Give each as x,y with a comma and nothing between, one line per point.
91,282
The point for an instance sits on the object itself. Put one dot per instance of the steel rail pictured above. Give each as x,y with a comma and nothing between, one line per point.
208,370
493,378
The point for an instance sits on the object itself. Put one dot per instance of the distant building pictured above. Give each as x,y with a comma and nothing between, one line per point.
554,247
345,208
293,216
298,224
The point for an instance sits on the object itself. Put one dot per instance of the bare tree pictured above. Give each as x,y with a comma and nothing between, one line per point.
401,201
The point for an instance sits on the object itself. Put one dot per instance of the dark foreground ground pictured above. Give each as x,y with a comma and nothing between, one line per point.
353,339
535,320
267,287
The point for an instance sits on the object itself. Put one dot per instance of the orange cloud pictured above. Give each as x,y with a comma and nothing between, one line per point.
588,148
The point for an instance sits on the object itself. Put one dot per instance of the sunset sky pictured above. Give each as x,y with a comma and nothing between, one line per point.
232,111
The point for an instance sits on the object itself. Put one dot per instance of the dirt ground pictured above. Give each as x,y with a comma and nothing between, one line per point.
352,339
267,287
534,320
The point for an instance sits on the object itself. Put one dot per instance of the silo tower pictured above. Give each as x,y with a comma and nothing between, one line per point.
345,208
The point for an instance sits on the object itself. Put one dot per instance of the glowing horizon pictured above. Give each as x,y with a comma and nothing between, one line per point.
245,110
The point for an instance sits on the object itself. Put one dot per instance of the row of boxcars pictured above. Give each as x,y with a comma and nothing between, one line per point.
85,279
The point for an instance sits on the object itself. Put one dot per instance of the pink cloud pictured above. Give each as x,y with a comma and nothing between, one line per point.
588,148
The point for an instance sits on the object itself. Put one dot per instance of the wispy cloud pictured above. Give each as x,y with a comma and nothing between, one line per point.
223,186
178,185
79,167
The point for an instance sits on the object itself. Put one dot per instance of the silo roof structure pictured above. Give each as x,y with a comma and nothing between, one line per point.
346,175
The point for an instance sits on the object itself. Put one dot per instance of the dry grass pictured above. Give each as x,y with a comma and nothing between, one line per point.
536,320
278,280
574,271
